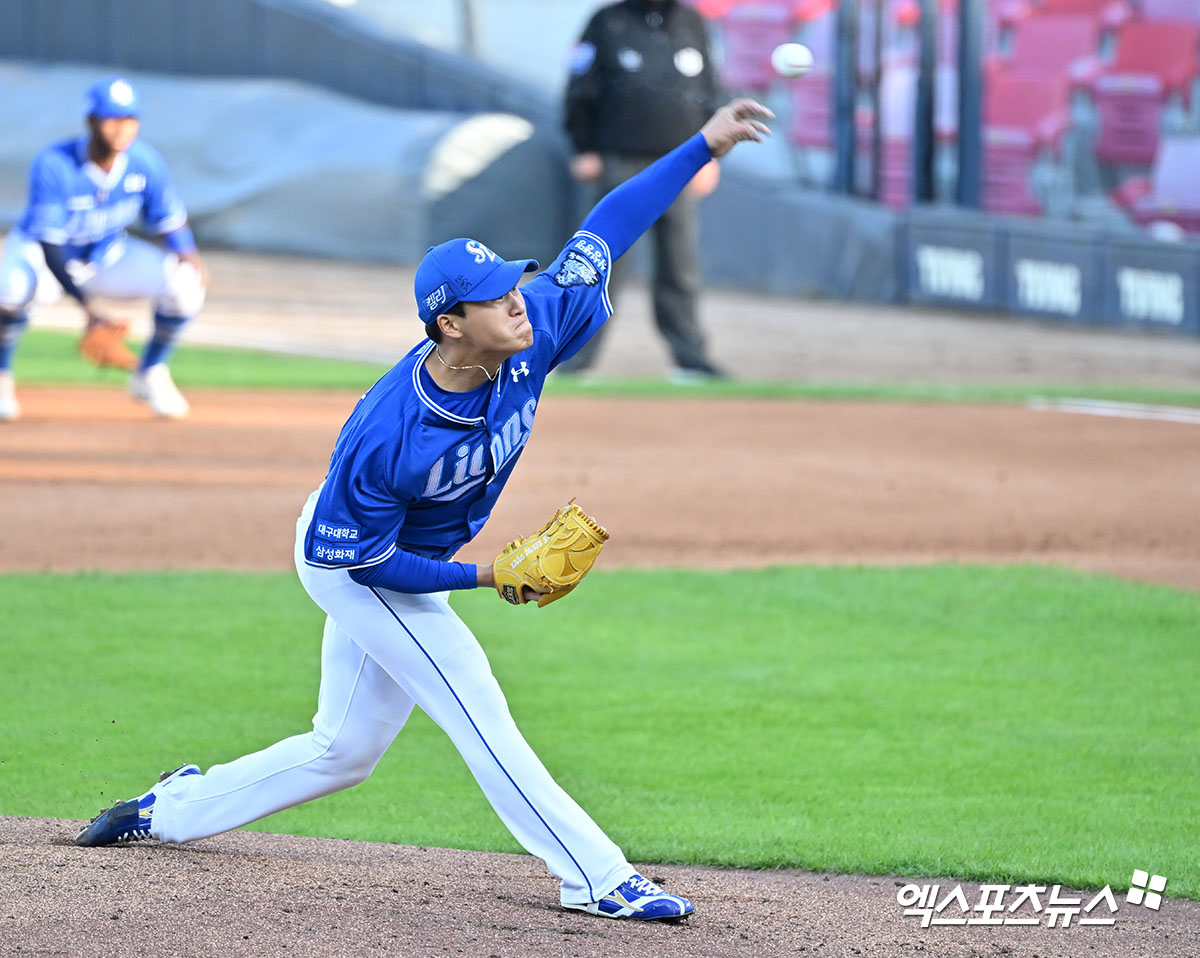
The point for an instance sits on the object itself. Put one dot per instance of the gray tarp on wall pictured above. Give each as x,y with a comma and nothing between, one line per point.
781,239
276,165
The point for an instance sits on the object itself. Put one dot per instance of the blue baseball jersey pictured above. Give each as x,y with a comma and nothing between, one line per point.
419,469
76,205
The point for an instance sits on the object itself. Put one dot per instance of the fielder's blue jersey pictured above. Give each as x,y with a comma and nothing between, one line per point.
409,473
76,205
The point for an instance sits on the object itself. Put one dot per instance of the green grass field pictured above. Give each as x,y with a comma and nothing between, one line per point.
986,723
989,723
48,356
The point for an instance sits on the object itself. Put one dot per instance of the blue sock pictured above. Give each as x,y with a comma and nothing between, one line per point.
11,328
158,348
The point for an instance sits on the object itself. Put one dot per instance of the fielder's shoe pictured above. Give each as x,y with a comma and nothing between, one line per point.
640,898
128,821
9,407
154,386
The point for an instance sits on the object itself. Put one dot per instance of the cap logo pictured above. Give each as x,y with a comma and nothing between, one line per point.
436,299
479,251
121,92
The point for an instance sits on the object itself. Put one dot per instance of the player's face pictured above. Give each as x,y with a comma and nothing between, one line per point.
498,326
114,134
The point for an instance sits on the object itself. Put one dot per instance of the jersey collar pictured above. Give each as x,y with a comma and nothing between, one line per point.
428,401
102,180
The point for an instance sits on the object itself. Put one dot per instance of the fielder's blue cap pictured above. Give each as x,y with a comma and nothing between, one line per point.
463,270
113,96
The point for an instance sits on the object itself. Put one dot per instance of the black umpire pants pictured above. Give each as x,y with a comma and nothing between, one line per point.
675,281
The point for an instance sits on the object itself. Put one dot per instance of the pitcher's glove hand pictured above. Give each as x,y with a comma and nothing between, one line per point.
103,343
553,560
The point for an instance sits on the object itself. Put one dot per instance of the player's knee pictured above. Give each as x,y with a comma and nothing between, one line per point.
17,287
185,293
351,760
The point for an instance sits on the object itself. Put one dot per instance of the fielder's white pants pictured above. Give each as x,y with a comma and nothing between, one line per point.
131,269
384,652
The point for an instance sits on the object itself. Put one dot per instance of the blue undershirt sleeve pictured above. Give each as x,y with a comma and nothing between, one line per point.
631,209
56,261
413,574
180,240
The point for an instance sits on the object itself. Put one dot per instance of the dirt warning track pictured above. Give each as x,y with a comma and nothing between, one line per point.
91,482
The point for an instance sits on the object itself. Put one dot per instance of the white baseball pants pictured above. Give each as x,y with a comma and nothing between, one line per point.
134,269
384,652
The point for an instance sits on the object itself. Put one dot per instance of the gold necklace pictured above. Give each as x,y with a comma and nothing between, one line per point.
462,369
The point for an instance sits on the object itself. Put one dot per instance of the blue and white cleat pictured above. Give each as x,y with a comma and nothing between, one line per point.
128,821
639,898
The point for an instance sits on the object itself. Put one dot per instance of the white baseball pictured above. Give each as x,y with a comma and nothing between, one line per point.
792,59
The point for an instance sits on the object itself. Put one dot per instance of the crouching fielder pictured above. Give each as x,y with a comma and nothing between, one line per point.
83,194
414,475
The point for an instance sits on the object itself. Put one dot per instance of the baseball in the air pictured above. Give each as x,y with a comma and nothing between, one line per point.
792,59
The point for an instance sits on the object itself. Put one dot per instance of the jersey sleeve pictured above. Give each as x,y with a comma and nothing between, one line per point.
573,294
162,209
46,218
358,514
628,211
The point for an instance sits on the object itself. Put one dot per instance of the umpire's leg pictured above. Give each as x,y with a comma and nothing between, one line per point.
617,169
676,283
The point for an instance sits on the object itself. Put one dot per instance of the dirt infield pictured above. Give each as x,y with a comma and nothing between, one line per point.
101,486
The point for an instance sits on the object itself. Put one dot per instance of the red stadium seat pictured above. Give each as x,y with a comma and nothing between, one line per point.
1024,119
1155,61
750,31
1064,44
812,110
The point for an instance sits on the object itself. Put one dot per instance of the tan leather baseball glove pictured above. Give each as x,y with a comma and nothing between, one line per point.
553,560
103,343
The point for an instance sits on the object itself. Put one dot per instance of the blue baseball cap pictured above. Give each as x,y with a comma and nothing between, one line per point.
463,270
112,97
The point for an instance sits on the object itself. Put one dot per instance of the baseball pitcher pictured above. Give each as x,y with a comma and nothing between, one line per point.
414,474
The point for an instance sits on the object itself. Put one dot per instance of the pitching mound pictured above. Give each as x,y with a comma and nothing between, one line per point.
249,893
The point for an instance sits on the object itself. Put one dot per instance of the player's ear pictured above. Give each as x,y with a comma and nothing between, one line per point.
450,325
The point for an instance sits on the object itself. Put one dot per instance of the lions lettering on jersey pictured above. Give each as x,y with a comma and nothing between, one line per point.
470,468
73,203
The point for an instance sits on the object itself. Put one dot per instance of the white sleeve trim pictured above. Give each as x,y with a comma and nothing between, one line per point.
358,565
53,237
608,309
168,225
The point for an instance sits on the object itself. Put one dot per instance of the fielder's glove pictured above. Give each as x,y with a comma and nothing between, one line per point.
103,343
553,560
